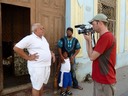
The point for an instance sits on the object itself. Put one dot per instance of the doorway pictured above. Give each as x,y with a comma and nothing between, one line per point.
15,25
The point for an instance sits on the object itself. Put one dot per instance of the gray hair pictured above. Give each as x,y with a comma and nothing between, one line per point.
35,26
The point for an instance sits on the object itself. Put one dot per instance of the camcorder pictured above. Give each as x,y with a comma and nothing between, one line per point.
84,29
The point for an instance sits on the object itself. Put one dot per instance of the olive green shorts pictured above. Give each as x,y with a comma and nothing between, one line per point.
103,89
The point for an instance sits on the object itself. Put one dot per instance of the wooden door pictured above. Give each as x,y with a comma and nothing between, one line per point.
51,14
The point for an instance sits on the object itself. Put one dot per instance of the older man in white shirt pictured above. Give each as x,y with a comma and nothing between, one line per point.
38,59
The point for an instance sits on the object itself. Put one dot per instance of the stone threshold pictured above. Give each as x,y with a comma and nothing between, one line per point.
15,89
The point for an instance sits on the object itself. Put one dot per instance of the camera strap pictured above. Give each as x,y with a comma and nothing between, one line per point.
93,39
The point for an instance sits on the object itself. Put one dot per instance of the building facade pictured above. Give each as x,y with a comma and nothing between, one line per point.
16,17
81,11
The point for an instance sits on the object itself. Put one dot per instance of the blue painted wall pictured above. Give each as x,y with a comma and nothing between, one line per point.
122,25
68,13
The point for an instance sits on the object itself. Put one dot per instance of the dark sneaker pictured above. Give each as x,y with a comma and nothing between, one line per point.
63,94
68,92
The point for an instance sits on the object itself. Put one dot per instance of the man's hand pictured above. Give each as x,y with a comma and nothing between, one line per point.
33,57
62,59
88,37
72,59
53,57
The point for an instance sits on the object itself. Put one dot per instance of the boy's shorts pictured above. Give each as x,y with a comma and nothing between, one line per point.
39,76
65,79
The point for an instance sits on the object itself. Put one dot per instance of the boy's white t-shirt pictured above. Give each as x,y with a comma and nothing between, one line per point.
65,67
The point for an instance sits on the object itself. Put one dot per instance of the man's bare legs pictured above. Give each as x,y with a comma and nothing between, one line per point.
35,92
41,91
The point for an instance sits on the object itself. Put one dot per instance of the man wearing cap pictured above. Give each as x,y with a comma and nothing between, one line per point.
103,56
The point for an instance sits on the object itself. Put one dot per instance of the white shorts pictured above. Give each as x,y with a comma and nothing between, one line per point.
39,76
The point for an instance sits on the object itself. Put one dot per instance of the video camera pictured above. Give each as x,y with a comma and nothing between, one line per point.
84,29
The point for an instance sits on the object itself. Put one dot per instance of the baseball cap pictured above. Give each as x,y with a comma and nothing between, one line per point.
99,17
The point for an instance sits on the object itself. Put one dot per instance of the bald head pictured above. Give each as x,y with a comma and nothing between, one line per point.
35,26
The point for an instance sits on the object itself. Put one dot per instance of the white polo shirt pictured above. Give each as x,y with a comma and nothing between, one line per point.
34,44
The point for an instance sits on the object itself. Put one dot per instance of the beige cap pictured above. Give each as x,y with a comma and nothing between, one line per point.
99,17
